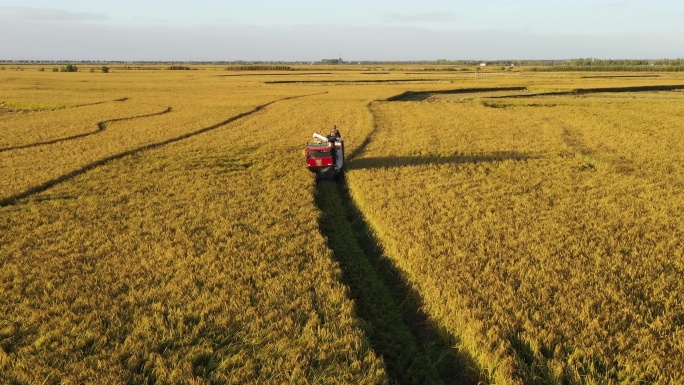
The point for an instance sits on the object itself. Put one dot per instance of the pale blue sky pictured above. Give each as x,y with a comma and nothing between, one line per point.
355,29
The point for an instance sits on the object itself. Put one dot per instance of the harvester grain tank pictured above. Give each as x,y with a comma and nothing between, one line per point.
325,156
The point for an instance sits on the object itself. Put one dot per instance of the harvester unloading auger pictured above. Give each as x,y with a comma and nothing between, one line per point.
325,157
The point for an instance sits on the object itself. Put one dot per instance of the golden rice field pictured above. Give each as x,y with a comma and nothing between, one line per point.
508,227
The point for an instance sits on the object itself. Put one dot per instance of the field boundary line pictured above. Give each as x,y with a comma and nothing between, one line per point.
412,96
12,200
277,74
67,107
356,82
96,103
101,126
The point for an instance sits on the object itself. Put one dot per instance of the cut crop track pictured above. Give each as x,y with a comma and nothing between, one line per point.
414,96
278,74
101,126
519,92
358,82
369,137
96,103
11,200
413,348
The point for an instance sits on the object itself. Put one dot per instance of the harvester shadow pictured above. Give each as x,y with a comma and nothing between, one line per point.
414,348
404,161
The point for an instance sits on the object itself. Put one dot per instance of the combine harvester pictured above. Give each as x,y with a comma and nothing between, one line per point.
325,157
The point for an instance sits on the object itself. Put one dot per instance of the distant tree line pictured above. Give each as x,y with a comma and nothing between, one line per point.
73,68
445,62
238,65
333,61
258,68
616,68
591,62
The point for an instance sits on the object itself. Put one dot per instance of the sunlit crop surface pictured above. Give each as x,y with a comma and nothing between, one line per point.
161,226
543,231
196,261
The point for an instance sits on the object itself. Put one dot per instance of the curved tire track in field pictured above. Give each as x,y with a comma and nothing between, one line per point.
362,147
96,103
12,200
101,126
77,105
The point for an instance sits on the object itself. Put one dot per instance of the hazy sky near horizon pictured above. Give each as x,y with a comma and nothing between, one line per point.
268,30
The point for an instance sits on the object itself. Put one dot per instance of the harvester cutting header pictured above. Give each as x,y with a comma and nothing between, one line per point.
325,156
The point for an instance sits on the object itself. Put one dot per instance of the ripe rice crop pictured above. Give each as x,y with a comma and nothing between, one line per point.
160,226
49,144
199,261
543,233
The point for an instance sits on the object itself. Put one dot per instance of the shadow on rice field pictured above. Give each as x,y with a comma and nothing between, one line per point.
415,349
525,92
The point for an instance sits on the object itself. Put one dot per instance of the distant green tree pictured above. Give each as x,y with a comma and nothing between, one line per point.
69,68
104,69
332,61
